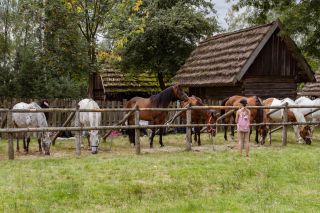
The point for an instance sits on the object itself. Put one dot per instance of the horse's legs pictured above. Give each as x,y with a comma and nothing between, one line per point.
198,130
153,132
89,144
257,132
24,143
28,142
270,128
39,142
194,136
131,132
232,133
225,133
296,132
160,136
18,148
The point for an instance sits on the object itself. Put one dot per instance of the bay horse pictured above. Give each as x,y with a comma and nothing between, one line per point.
294,115
200,116
90,119
26,120
160,100
257,115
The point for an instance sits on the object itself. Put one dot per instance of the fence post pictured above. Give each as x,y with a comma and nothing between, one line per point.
137,130
188,130
10,136
78,133
284,128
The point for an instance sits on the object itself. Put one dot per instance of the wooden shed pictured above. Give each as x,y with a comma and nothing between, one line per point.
112,84
311,89
255,61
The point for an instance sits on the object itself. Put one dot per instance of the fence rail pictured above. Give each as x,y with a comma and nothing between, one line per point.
10,130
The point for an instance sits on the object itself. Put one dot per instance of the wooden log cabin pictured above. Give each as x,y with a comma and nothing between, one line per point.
259,60
113,85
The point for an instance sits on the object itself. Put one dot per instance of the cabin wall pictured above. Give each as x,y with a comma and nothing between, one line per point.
275,60
270,87
215,93
274,73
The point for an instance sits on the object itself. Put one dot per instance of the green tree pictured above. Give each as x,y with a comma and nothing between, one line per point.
300,18
90,14
171,30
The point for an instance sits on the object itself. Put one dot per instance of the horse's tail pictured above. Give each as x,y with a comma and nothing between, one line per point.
223,111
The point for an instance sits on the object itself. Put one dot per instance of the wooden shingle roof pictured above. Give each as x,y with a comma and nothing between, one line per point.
224,59
311,89
114,81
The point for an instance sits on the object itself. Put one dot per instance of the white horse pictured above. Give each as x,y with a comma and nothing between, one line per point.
308,112
294,114
26,120
91,119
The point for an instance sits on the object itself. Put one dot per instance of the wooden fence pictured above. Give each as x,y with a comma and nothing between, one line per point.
10,130
57,118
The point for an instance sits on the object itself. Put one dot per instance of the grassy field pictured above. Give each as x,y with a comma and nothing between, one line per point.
273,179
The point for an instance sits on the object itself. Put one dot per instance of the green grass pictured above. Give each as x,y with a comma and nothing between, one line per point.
274,179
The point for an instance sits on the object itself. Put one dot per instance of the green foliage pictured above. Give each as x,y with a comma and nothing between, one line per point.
300,18
42,49
171,30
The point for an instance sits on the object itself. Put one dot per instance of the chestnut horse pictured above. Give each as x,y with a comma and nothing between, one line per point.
200,116
257,115
160,100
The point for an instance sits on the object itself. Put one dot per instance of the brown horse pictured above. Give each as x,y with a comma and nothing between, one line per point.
200,116
257,115
160,100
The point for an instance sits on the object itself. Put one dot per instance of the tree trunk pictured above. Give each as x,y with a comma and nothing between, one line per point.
161,81
92,72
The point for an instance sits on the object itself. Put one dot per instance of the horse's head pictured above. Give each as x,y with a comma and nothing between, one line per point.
212,116
179,93
305,133
46,142
94,141
263,132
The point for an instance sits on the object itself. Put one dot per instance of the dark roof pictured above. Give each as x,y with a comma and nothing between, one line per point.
224,59
311,88
115,81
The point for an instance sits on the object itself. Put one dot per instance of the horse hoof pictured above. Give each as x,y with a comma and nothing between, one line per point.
95,152
47,153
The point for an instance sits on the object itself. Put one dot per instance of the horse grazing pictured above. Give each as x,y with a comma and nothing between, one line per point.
294,114
90,119
160,100
26,138
257,115
26,120
200,116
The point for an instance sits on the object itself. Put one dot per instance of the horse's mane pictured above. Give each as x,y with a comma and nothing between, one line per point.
163,98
